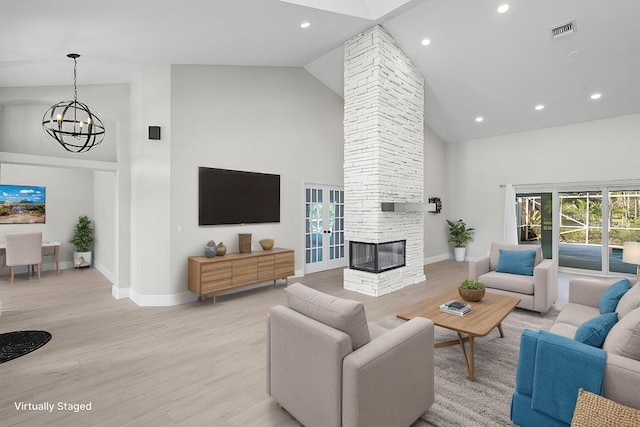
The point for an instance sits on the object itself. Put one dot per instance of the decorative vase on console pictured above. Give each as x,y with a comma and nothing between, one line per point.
221,249
210,249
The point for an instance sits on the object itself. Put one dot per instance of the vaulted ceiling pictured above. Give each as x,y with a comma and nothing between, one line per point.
479,63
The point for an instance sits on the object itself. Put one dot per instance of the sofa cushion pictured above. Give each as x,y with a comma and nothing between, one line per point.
594,331
508,282
624,338
609,299
576,314
343,314
494,253
564,329
629,301
516,262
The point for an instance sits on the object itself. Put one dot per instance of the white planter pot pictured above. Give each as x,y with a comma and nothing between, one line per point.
81,259
460,253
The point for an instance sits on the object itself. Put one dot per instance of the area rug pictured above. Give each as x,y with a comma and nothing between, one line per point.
16,344
487,400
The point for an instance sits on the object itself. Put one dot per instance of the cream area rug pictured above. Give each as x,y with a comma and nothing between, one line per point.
487,400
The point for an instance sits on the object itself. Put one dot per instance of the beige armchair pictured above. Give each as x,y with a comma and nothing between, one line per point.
328,367
23,249
537,292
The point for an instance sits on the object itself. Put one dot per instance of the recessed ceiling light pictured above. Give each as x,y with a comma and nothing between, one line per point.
539,107
574,54
596,96
479,119
425,42
503,8
305,25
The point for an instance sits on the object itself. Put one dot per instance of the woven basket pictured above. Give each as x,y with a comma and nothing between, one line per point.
597,411
471,294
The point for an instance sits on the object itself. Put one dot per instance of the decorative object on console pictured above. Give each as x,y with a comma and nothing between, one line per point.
631,254
244,243
82,240
210,250
460,235
471,290
221,249
72,125
267,244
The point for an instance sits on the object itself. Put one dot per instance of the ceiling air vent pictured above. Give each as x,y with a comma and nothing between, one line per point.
563,30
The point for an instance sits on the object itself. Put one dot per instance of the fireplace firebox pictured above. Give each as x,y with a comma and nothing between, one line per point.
377,257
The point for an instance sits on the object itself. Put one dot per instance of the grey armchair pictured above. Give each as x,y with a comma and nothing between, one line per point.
328,367
537,292
23,249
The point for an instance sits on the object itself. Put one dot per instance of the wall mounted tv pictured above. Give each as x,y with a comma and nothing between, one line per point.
237,197
22,204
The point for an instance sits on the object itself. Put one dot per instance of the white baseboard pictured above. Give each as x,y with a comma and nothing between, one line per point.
161,300
120,293
437,258
105,271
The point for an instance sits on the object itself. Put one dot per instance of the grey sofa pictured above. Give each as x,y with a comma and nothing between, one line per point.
622,374
536,293
327,366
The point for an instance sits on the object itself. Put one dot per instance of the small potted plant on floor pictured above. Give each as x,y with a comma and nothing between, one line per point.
82,240
459,235
471,290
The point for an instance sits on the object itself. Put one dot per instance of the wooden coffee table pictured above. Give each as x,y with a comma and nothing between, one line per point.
486,315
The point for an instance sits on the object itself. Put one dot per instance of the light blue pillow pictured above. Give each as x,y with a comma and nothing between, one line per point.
516,262
609,299
593,332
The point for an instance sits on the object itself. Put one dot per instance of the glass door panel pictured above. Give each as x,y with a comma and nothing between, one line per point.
324,228
580,242
624,226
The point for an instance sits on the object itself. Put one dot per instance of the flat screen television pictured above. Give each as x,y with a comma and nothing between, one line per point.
22,204
237,197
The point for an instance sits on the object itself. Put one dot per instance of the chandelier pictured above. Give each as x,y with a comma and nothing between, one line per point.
72,125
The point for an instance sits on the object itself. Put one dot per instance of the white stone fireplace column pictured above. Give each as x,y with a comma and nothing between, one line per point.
383,156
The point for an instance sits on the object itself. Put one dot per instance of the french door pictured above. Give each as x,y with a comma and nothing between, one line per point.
324,228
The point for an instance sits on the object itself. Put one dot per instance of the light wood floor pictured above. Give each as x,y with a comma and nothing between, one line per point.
195,364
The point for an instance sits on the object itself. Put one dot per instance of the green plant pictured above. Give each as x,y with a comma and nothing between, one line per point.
471,284
82,234
459,234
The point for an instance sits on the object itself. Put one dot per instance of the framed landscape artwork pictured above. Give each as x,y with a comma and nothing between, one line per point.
22,204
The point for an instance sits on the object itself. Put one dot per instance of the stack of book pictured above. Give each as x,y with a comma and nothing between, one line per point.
456,307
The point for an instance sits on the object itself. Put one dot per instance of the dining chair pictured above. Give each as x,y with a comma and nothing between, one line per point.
23,249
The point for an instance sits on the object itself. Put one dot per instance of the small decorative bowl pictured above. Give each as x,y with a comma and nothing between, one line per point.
267,244
471,294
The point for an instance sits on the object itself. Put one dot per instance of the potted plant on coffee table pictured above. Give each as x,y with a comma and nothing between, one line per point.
471,290
459,235
82,240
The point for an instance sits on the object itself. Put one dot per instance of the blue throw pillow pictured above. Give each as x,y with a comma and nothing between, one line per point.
609,299
516,262
594,331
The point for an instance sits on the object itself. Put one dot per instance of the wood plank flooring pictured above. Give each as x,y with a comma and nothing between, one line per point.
195,364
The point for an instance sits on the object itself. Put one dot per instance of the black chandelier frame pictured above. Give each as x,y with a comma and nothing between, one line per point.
73,125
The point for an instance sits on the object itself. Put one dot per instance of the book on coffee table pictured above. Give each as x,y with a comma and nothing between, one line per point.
456,307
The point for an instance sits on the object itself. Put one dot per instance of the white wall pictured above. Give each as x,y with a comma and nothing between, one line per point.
276,120
150,188
436,247
600,150
68,196
104,217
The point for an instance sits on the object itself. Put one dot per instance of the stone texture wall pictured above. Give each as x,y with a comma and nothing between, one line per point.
383,155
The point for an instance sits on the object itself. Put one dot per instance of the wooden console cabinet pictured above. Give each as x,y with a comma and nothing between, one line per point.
233,270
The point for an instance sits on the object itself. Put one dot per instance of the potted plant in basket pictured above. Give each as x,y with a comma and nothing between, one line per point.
82,240
459,235
471,290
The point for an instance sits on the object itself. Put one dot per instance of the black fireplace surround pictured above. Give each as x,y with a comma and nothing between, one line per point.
377,257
